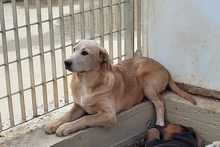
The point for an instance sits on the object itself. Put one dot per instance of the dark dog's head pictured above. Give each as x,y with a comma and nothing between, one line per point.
172,131
88,55
170,135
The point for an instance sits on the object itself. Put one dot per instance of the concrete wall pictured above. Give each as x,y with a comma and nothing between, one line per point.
185,37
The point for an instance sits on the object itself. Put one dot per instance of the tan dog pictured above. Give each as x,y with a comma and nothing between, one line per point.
101,89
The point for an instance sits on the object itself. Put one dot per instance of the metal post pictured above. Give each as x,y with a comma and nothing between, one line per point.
7,75
144,12
129,31
42,59
62,38
138,28
110,29
72,22
101,23
91,9
18,57
118,23
30,54
82,23
53,56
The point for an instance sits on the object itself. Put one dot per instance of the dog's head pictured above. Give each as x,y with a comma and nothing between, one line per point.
88,55
172,129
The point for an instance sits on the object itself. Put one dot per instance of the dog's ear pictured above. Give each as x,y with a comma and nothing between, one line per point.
77,42
197,137
105,60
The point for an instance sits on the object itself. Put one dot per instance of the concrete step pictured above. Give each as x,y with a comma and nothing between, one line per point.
204,118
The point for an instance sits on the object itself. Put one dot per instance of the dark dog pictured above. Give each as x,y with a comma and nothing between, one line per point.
172,135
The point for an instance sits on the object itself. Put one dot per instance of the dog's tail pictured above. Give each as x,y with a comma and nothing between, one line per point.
180,92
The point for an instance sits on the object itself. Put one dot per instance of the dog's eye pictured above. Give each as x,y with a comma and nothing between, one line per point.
85,53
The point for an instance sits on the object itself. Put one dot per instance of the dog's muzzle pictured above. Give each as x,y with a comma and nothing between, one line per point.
67,63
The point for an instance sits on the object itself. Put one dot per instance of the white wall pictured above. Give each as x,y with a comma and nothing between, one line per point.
184,36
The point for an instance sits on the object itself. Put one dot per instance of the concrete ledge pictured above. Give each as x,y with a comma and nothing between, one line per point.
130,125
204,118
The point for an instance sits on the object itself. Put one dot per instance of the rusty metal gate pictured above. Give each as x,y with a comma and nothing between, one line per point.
37,36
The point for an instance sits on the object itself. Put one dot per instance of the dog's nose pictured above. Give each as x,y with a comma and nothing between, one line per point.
67,62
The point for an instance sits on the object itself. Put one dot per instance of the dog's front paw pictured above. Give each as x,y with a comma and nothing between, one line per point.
52,127
65,129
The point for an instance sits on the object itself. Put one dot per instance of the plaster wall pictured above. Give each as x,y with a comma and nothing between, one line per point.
184,36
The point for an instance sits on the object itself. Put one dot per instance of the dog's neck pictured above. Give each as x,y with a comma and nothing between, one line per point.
90,78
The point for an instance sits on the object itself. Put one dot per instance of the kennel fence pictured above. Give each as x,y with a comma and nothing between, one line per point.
37,36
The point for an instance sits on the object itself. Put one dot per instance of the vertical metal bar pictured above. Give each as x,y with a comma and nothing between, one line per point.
144,35
91,8
18,57
82,23
138,9
110,29
5,53
53,56
72,22
62,38
42,60
101,24
118,21
30,53
129,25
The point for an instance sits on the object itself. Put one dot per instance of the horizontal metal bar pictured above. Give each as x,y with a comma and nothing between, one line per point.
35,117
37,85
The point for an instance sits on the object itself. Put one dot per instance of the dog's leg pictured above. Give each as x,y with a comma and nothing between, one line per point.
102,119
158,102
74,113
153,84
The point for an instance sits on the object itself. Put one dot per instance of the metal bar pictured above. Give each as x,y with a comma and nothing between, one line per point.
144,35
101,26
138,28
5,53
18,57
82,23
62,38
91,16
118,23
110,29
129,25
42,59
30,59
53,56
72,22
